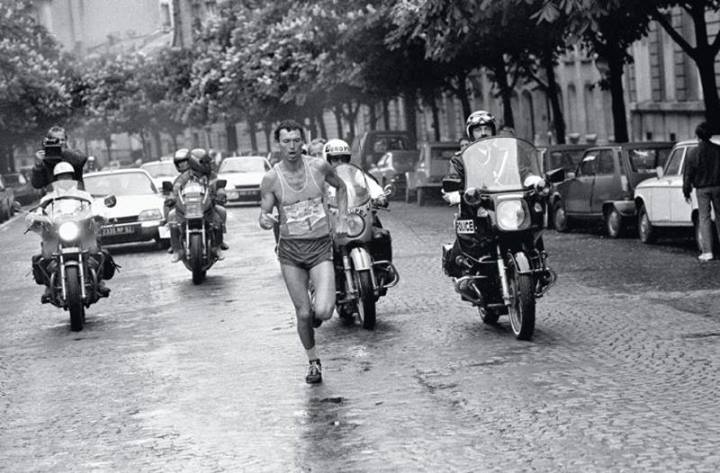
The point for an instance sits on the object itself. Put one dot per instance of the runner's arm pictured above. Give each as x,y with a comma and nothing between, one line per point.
267,202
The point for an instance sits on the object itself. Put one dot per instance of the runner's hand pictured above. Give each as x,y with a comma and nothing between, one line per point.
267,221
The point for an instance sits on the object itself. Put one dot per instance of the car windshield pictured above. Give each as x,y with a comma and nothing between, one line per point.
358,192
566,159
120,183
500,164
443,153
647,159
161,169
246,164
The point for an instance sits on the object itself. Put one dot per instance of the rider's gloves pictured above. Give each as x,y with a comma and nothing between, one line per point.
452,198
380,202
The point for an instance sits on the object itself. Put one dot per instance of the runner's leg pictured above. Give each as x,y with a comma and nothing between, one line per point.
296,280
323,279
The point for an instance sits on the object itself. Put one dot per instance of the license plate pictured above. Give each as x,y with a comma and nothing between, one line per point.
246,192
112,231
465,226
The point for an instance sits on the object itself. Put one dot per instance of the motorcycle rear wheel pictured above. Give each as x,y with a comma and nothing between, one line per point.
196,252
74,299
366,304
522,308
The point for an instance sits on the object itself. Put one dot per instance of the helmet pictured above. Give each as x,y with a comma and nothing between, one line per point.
336,149
65,169
479,118
200,161
181,159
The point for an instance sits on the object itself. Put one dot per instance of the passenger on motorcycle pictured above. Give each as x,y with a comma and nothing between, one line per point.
196,164
480,124
337,152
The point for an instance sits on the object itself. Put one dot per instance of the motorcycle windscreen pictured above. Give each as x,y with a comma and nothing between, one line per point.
68,209
500,164
193,188
358,190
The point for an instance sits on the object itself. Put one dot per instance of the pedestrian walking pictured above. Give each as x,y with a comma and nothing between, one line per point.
702,172
305,249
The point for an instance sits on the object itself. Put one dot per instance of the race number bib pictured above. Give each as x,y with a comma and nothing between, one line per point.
305,216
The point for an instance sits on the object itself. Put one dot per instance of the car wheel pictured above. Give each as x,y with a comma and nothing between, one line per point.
560,219
614,223
646,231
421,197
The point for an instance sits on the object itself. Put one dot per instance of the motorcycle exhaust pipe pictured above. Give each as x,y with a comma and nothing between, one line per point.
468,290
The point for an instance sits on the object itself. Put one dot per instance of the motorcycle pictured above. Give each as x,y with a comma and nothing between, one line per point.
360,281
503,265
195,203
65,221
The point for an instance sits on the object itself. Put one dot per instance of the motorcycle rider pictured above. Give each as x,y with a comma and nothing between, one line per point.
54,151
197,164
479,124
337,152
42,263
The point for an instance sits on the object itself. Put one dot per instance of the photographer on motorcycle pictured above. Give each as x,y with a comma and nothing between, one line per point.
54,151
479,124
337,152
196,164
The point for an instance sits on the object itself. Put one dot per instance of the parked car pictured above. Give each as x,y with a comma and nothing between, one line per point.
243,175
24,192
138,215
561,156
392,169
7,201
371,146
163,170
660,201
425,179
602,187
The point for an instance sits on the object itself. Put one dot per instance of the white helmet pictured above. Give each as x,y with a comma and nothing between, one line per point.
336,148
63,167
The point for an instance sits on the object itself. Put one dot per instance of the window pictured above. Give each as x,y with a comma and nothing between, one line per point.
644,160
675,162
587,167
605,163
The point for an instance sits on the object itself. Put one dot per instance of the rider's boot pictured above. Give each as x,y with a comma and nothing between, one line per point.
176,244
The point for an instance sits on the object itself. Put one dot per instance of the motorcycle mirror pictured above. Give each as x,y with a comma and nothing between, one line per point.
388,190
221,183
110,201
451,185
167,187
556,175
660,171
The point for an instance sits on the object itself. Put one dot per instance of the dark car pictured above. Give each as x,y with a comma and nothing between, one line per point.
432,165
370,147
24,192
7,200
602,186
561,156
392,169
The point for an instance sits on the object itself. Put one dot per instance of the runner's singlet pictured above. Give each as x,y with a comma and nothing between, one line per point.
302,212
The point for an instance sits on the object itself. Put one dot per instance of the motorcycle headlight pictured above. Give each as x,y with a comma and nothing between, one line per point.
511,215
356,225
150,214
69,231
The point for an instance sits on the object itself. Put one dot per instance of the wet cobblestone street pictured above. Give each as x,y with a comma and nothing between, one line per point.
622,374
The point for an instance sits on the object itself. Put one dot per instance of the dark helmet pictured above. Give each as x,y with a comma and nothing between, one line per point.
180,159
200,161
480,118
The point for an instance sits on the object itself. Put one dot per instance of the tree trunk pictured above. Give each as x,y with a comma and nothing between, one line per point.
351,117
706,67
173,136
462,94
372,116
410,106
338,120
7,161
252,128
553,94
157,140
321,124
506,91
435,117
144,143
231,135
108,146
615,73
268,131
386,113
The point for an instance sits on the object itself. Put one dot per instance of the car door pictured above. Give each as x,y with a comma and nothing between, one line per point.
661,196
606,185
680,211
579,188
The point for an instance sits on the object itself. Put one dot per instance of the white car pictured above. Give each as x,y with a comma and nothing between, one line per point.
243,175
660,201
163,170
139,213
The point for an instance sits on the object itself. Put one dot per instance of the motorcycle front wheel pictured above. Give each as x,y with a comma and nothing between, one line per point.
74,298
522,306
366,304
196,259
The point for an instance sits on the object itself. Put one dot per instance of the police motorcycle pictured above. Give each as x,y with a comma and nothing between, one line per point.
199,236
75,268
360,281
503,268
